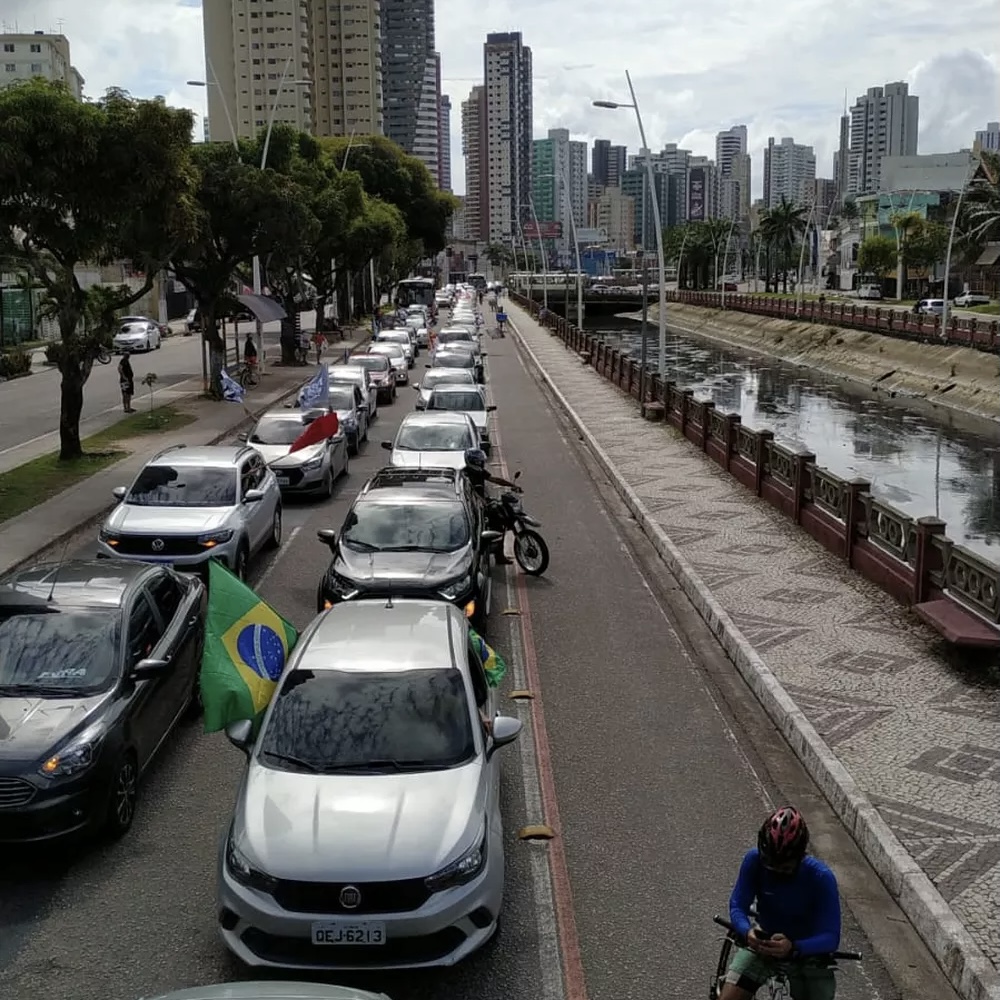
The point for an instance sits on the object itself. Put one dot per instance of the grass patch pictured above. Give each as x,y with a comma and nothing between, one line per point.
34,482
993,309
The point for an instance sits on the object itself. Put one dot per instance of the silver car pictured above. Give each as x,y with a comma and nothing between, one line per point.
402,338
367,830
362,379
190,505
432,441
347,401
271,991
313,469
441,376
138,335
468,399
397,358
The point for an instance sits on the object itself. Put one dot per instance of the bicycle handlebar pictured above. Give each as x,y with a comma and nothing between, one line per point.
842,956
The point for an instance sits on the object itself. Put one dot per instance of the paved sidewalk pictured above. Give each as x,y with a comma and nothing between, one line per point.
859,688
48,524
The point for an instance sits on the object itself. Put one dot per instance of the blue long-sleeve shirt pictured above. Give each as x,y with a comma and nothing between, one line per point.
805,907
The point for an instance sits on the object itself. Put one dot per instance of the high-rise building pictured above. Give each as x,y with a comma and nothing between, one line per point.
702,189
507,72
559,184
730,143
988,138
316,63
668,188
826,199
444,143
733,166
599,162
884,122
842,158
614,212
617,156
39,54
410,86
475,144
249,47
789,173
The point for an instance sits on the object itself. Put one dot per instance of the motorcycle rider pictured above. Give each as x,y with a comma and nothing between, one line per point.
479,476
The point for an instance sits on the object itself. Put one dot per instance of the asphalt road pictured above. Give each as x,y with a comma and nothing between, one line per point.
657,759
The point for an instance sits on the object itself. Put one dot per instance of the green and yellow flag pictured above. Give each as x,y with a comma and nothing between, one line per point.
493,662
246,648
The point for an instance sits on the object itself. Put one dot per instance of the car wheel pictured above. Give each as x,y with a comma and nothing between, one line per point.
274,539
124,795
240,569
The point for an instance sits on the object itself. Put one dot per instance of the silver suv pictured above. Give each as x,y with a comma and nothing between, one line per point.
190,505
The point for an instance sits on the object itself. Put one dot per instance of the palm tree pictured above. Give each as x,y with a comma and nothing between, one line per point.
906,225
781,228
981,212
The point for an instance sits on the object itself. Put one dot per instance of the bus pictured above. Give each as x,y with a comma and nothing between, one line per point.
416,292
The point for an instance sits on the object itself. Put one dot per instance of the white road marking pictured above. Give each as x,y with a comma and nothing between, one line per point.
541,878
285,546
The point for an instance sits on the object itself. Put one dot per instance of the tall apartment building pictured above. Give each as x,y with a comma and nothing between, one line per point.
410,79
733,166
842,158
668,188
826,199
507,73
988,138
614,212
444,142
884,122
475,144
617,158
702,189
789,173
559,184
599,162
39,54
316,63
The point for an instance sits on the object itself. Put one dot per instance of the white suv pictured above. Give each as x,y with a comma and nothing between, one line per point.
190,505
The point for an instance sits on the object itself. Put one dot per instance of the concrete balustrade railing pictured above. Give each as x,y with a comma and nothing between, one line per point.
910,558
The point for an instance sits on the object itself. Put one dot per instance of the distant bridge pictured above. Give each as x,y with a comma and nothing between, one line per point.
594,303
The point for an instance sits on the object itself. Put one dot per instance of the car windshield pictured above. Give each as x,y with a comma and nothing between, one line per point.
133,328
180,486
457,359
443,376
451,400
427,526
454,336
46,651
372,364
333,720
389,350
394,338
433,437
341,397
277,431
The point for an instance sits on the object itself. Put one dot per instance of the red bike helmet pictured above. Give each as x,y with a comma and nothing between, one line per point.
784,837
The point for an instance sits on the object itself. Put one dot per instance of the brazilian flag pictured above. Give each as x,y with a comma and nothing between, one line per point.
493,662
246,648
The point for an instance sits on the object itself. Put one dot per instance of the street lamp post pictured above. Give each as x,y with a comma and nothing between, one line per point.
541,251
656,217
725,259
576,242
947,255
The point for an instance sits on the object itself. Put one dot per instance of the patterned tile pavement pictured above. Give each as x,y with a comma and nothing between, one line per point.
922,741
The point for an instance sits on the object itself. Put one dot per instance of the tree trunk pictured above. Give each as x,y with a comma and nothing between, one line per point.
289,333
70,409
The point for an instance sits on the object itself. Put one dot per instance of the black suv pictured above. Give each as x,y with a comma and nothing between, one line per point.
413,533
98,662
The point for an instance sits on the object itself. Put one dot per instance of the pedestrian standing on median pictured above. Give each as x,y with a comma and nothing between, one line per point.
126,382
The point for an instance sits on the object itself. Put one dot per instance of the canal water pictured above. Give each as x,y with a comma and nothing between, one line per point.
917,463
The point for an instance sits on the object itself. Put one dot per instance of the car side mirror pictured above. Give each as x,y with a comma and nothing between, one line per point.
119,492
387,445
505,730
491,409
328,537
240,734
488,537
253,496
517,475
147,669
244,437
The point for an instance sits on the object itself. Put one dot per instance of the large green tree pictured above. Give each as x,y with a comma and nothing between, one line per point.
96,183
877,257
241,211
782,228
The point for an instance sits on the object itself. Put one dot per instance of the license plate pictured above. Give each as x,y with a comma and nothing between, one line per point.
329,932
283,480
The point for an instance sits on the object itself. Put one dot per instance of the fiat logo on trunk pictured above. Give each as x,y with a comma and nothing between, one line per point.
350,897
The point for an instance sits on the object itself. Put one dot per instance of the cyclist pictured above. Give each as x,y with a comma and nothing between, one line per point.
797,919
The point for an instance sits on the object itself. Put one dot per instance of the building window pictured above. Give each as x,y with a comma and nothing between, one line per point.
8,46
35,47
11,67
36,67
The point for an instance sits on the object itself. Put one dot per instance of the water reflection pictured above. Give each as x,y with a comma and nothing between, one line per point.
914,463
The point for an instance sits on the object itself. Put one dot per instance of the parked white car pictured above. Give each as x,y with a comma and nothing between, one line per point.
969,299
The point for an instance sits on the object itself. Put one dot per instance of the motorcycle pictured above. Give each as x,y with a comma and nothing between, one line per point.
506,513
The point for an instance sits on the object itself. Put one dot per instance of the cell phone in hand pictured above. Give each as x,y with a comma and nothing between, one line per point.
762,935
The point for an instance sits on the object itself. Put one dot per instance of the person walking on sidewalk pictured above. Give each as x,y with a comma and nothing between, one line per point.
126,382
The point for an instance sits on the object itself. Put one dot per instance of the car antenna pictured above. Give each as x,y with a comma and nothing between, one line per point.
55,574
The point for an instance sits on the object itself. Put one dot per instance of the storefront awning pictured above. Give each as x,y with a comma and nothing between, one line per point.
265,309
989,256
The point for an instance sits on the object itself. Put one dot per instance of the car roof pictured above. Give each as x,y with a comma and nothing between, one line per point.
384,636
208,456
368,354
435,417
440,492
76,583
450,387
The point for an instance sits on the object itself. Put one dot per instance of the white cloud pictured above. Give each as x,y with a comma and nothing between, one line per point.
697,67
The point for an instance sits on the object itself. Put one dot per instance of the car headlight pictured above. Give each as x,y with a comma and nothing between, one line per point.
345,589
462,871
243,872
213,538
108,537
313,464
77,756
452,590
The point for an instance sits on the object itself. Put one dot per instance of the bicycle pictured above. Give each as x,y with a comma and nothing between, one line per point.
247,374
778,987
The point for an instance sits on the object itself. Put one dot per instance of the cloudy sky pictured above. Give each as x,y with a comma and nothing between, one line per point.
781,69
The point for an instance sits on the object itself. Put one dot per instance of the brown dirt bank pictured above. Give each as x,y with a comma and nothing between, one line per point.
942,376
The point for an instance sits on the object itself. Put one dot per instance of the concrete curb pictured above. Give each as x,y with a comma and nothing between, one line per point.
966,967
94,519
